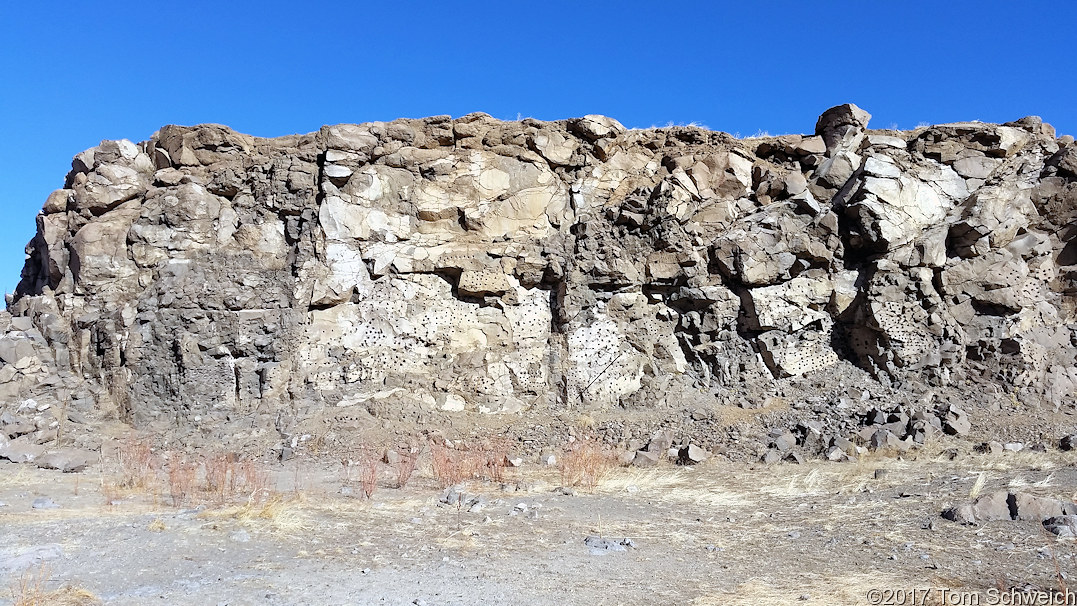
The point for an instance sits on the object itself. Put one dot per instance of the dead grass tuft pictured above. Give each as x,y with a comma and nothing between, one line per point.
31,590
281,514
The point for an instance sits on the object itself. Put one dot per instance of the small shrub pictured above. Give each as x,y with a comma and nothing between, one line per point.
110,492
585,463
222,482
365,465
29,589
368,473
137,464
254,481
495,454
406,466
452,466
181,481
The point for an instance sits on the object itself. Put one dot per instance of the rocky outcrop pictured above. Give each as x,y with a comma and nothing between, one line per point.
451,266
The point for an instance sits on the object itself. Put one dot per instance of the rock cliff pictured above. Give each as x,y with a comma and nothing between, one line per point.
425,269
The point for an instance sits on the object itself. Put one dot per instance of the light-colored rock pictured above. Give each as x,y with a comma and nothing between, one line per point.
385,272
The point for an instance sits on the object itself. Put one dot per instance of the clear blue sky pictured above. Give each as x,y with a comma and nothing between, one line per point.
76,73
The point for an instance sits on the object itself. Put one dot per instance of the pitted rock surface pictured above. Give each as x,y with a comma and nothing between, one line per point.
260,287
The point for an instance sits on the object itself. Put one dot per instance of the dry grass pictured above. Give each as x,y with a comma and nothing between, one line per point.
978,485
677,485
809,590
19,478
31,589
1029,460
280,514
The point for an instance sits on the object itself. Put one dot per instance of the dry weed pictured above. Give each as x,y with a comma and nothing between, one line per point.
585,463
978,485
281,514
138,465
31,590
181,481
110,492
368,473
220,476
485,461
495,454
452,466
406,466
254,481
224,479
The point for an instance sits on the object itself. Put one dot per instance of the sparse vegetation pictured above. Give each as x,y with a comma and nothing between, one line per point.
585,463
181,481
368,473
138,465
487,461
452,466
405,467
31,589
218,478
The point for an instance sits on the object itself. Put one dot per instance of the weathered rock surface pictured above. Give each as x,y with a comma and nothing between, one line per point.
1003,505
269,288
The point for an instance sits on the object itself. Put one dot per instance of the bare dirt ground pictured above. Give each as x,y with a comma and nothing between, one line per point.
716,533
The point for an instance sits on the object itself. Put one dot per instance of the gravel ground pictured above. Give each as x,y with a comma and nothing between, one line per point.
717,533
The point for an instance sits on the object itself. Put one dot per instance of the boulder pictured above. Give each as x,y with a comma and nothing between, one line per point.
67,460
692,454
835,123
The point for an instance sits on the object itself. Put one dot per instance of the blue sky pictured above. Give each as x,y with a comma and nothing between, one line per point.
76,73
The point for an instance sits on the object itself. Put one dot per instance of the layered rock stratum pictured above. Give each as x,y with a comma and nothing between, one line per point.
421,271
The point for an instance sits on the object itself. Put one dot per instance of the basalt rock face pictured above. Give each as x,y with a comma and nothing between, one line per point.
463,266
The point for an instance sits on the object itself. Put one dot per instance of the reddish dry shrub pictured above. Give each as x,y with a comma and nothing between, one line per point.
364,463
181,481
220,476
138,465
368,473
253,481
405,466
495,453
452,466
585,463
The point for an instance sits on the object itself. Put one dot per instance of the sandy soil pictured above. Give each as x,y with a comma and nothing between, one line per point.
716,533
